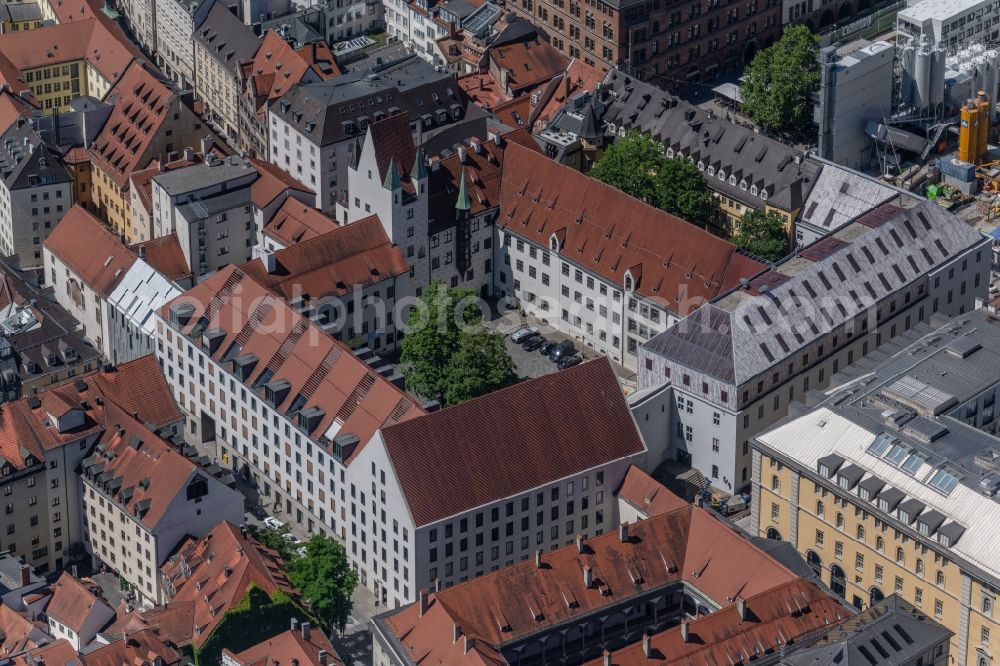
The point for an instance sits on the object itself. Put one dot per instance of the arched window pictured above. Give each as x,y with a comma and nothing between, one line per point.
940,578
861,532
900,556
880,544
840,520
775,483
820,509
814,562
920,568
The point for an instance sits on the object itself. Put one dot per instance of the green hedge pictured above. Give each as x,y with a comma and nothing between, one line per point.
257,617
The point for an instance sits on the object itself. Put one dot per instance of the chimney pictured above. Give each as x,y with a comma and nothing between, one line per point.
741,606
538,558
607,658
476,144
456,633
160,164
588,577
437,585
321,658
25,575
461,154
306,630
423,602
270,261
685,631
295,624
206,145
623,532
142,251
73,571
647,646
189,154
435,163
470,644
579,542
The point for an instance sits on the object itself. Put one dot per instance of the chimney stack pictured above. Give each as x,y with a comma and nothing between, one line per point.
437,585
470,644
322,658
741,606
207,144
461,154
476,144
623,532
25,575
607,658
579,542
306,630
295,624
189,154
456,632
685,631
647,646
423,602
588,577
538,558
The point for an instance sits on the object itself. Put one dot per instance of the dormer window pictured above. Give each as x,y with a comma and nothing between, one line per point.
554,243
753,190
824,470
711,171
743,185
763,194
670,153
732,181
701,166
628,281
722,175
883,505
903,516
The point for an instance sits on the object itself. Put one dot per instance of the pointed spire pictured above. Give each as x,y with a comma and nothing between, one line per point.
392,176
419,166
463,202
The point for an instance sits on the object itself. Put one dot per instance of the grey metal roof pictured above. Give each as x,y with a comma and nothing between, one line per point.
839,196
226,38
203,174
26,160
746,159
22,11
891,633
330,111
743,334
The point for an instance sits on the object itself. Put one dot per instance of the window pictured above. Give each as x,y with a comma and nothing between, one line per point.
984,635
775,483
861,532
775,512
920,568
900,556
859,562
987,606
938,608
838,550
819,537
820,509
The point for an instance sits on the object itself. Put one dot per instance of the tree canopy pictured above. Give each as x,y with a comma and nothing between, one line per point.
276,541
448,354
778,83
635,165
326,580
762,234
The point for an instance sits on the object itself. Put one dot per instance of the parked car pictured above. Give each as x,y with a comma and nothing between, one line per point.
564,348
292,539
523,334
569,361
547,347
533,343
273,523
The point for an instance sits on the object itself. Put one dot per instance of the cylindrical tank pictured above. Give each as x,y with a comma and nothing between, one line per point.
937,77
968,133
922,78
983,103
906,54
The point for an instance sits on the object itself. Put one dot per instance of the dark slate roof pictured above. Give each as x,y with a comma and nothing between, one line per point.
225,37
22,153
749,160
333,110
743,334
853,642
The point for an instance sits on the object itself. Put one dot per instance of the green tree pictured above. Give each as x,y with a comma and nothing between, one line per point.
276,541
635,165
681,190
325,579
480,364
448,354
778,83
762,234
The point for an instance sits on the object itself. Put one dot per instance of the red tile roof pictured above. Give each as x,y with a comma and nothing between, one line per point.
578,78
295,222
515,112
149,471
12,107
610,232
172,622
59,653
101,262
353,398
138,387
687,544
289,647
88,39
165,255
647,495
223,565
72,603
393,142
142,104
19,633
482,90
557,417
774,617
276,67
357,254
528,63
138,648
271,182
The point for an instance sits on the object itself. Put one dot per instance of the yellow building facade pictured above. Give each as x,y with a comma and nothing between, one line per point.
865,556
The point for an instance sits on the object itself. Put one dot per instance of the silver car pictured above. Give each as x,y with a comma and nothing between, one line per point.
523,334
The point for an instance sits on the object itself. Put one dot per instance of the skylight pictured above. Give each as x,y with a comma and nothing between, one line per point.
880,445
912,464
943,481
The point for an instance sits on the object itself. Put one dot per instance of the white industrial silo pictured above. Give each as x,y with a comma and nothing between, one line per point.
922,76
906,58
937,76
